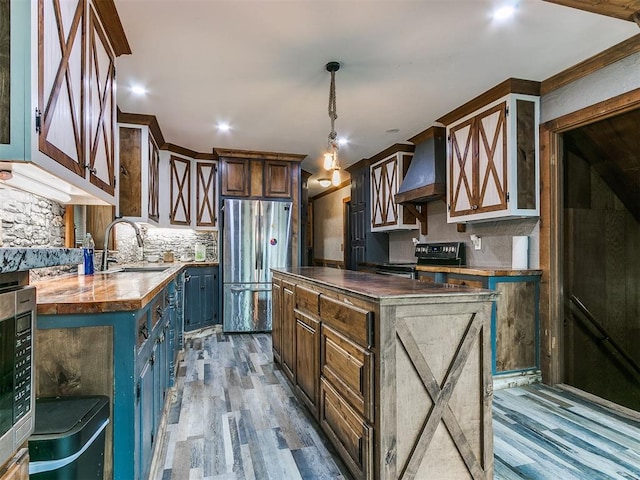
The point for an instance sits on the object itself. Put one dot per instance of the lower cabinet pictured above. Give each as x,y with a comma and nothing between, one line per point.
515,325
201,304
400,384
125,355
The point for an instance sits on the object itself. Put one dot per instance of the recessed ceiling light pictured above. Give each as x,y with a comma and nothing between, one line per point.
138,90
223,127
505,12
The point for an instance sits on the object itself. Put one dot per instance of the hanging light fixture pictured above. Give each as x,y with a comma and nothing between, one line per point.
331,156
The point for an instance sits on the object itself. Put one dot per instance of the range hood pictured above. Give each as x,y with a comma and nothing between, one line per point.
425,180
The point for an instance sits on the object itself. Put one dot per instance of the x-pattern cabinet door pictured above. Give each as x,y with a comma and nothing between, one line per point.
180,191
206,207
384,178
61,65
102,109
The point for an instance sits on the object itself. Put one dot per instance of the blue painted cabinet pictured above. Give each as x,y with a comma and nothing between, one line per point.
201,298
124,355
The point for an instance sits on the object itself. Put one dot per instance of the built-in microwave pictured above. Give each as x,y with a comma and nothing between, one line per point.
17,320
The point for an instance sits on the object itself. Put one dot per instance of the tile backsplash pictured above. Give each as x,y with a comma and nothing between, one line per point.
159,240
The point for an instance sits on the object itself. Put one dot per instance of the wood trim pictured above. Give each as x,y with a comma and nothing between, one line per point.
622,9
387,152
113,26
305,175
143,119
101,86
511,85
551,302
331,190
607,57
253,154
431,132
69,227
173,148
365,162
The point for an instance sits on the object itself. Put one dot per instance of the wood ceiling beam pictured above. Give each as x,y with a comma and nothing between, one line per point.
622,9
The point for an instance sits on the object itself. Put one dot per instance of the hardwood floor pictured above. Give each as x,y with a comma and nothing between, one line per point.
235,417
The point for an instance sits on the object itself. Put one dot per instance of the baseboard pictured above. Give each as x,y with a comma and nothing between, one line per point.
517,379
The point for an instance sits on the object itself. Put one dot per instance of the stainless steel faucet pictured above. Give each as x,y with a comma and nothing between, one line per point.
107,232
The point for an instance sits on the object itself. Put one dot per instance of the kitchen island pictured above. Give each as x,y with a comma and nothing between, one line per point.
397,372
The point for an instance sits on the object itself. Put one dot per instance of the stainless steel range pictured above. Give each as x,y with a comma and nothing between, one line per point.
443,253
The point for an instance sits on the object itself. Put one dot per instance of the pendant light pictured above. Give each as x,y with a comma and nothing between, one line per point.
331,156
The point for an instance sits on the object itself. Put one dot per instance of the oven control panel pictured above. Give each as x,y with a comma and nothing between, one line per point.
444,253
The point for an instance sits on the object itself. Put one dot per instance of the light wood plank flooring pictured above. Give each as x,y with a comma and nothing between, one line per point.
543,432
236,417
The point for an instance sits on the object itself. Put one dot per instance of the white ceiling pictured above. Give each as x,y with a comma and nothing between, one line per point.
260,65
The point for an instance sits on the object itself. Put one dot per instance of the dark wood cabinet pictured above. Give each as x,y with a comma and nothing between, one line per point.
276,319
307,371
236,177
277,179
288,353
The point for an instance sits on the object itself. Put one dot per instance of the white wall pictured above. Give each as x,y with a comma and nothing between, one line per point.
328,225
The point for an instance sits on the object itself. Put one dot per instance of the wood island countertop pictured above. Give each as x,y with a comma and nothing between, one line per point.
105,292
480,271
378,287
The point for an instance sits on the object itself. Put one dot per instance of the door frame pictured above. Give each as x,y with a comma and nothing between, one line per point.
551,225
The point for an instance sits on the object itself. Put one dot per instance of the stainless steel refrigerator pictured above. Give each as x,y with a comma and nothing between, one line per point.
256,237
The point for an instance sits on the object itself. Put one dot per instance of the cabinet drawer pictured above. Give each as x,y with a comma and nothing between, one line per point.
307,300
349,369
349,433
466,282
350,320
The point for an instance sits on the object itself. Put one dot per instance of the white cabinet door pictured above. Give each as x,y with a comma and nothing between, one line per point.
180,195
102,107
205,200
60,82
386,177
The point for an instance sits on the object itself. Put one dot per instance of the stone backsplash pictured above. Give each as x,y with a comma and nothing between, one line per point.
159,240
27,220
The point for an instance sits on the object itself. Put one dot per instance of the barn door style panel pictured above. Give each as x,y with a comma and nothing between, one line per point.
492,167
102,107
180,191
386,177
60,73
206,206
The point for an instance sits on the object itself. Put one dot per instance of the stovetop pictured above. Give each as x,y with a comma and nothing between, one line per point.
443,253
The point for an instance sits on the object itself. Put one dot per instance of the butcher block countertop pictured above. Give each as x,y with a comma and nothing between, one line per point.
480,271
105,292
378,287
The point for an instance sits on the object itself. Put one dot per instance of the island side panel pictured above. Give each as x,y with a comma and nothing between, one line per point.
435,374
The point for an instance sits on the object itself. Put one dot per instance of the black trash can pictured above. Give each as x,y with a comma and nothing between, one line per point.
68,438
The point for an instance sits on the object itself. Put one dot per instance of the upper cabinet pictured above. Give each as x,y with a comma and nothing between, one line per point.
62,82
180,190
259,174
492,165
206,199
139,173
387,171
